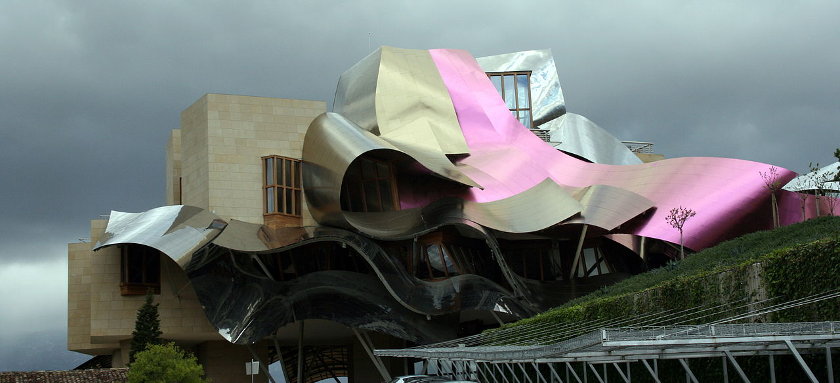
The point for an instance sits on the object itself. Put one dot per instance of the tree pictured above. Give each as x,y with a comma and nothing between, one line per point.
818,182
835,177
165,363
803,183
146,327
772,183
677,219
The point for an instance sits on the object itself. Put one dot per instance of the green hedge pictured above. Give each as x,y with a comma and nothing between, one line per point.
792,261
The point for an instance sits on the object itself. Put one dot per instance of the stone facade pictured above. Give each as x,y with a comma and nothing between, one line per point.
222,140
214,162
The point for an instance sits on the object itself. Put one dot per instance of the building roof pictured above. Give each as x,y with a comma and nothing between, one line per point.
105,375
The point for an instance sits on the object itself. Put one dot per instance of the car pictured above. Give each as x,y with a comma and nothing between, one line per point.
426,379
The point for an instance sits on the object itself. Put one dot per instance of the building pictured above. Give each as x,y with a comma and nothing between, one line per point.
423,207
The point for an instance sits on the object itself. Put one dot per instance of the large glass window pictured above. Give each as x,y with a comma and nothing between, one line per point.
282,185
515,89
369,187
140,270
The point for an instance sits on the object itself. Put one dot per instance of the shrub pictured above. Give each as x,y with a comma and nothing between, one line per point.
165,363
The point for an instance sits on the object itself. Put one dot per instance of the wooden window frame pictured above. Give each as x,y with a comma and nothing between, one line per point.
148,256
449,245
360,180
516,108
279,185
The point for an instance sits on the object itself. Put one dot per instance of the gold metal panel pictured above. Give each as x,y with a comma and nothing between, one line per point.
413,105
331,144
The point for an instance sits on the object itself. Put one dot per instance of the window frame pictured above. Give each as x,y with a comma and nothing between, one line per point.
357,171
149,256
517,107
296,187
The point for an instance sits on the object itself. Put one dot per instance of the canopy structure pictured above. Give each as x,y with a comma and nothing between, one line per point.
543,352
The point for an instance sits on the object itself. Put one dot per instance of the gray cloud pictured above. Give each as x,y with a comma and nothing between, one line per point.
91,89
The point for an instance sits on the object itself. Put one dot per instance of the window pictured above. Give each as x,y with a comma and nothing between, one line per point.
532,259
282,190
515,89
593,262
369,187
140,270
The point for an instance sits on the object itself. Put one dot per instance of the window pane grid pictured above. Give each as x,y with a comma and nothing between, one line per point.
515,89
282,189
369,187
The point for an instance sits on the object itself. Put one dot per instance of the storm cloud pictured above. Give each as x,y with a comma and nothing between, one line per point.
90,89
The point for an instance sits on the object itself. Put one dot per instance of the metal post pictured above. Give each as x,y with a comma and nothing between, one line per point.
829,367
573,271
279,354
502,372
595,372
525,373
801,361
772,369
737,366
300,353
569,368
652,372
512,372
373,358
626,377
481,372
725,369
688,372
555,375
262,365
539,374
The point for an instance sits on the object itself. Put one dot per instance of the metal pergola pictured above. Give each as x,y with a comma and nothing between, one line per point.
615,348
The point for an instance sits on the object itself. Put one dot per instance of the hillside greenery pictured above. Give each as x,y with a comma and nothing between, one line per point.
786,263
792,262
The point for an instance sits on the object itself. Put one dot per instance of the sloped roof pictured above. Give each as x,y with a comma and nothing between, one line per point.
105,375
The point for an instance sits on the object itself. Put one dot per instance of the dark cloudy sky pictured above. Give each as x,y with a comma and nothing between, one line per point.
90,89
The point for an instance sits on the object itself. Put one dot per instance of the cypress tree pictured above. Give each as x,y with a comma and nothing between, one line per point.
146,327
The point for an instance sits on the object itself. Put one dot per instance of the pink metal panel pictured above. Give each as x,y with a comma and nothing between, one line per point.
728,194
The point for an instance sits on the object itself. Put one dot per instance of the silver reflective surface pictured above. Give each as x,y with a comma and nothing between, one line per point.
546,95
177,231
246,302
577,135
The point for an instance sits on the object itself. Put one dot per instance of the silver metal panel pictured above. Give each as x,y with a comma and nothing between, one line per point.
575,134
177,230
432,298
804,182
546,94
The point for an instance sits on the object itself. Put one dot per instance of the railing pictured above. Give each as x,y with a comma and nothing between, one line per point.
638,146
543,134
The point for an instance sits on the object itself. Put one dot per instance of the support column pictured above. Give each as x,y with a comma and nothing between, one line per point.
573,270
555,375
263,365
595,372
300,353
688,372
737,366
772,369
625,377
653,373
373,358
725,369
801,362
829,367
